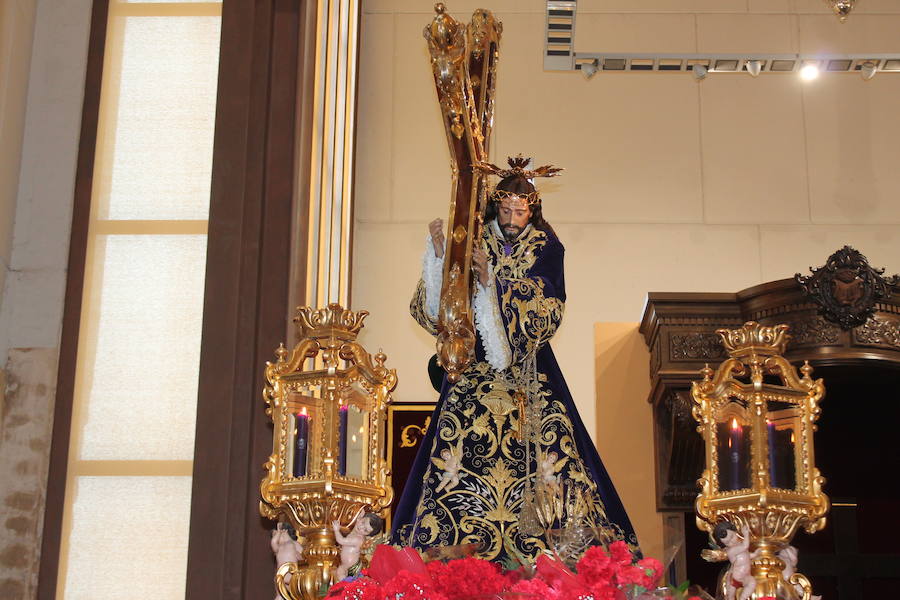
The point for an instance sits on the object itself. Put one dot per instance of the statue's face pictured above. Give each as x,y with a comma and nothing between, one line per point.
512,218
730,538
363,526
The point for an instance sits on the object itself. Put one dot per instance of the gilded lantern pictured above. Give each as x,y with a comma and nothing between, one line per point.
327,399
757,416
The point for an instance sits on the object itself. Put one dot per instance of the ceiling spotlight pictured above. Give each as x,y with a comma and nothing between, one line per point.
867,70
754,67
809,72
589,69
699,72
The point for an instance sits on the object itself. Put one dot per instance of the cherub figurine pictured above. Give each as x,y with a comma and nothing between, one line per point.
547,469
367,524
450,462
737,549
788,555
286,549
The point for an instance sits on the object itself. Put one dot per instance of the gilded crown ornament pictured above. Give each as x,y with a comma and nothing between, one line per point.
517,168
333,320
754,338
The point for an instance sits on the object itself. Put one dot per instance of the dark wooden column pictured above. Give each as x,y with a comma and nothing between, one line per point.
246,311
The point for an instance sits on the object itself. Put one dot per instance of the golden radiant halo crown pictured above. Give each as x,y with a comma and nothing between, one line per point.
753,338
331,321
518,168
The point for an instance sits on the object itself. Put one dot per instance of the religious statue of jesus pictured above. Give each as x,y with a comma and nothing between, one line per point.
506,434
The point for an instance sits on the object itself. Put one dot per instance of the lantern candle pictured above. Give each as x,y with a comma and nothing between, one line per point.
342,441
301,442
734,455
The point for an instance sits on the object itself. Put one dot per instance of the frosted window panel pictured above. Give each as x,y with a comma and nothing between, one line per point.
158,130
141,384
129,538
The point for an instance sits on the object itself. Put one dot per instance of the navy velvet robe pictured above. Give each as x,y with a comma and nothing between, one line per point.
477,427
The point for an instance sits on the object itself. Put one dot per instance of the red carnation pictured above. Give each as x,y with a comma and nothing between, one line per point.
620,553
532,588
595,567
358,589
653,569
412,586
466,578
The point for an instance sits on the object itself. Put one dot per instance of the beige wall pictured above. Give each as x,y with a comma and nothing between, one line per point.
622,389
670,184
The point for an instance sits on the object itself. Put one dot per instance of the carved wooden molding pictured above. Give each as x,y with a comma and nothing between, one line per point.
879,332
696,346
846,288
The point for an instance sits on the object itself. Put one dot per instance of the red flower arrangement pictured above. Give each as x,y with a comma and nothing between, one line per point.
599,575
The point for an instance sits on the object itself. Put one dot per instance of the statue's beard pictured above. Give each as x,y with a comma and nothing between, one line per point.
510,231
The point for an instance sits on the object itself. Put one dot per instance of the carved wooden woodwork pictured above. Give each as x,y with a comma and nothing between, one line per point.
846,288
679,329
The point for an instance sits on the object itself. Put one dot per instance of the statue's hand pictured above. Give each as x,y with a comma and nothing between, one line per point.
277,539
436,231
480,265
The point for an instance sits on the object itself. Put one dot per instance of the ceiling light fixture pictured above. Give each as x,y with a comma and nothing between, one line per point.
809,72
699,72
754,67
589,69
867,70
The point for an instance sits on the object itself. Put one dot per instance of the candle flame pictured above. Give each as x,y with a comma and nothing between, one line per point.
302,412
734,424
792,437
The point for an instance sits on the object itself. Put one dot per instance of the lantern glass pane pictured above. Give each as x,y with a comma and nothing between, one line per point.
782,429
733,447
357,442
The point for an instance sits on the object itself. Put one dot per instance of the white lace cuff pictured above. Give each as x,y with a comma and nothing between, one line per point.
432,275
490,326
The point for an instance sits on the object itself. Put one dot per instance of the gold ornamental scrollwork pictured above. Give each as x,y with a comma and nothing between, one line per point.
406,434
319,470
757,416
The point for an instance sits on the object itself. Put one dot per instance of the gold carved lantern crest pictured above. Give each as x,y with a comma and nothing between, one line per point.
757,416
327,399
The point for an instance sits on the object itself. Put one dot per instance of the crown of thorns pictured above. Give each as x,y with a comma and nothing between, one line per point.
518,168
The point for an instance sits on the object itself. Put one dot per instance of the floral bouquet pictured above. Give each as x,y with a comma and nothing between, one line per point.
395,574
